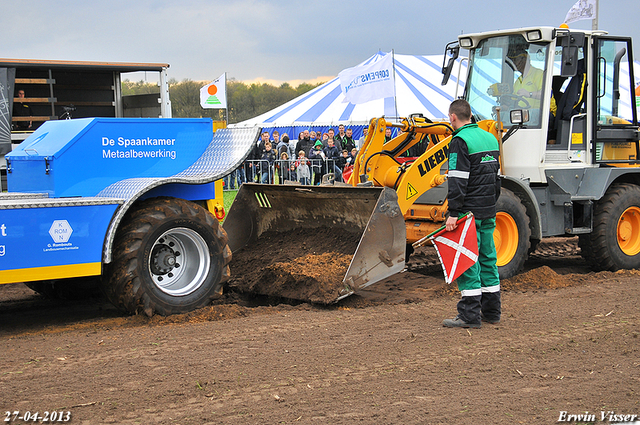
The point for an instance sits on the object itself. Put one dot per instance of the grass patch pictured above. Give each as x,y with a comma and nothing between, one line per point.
228,196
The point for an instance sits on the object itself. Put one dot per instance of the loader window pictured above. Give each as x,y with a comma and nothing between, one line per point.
615,120
509,72
614,104
567,120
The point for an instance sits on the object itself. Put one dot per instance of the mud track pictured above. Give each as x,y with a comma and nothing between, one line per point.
22,310
568,342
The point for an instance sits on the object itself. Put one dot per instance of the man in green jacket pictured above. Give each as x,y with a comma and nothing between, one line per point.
474,185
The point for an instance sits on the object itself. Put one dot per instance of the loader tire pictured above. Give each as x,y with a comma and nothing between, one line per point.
614,243
512,236
170,256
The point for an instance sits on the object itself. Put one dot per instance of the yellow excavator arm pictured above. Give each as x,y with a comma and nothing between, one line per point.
382,162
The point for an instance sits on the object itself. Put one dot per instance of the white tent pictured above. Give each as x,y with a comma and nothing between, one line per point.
418,90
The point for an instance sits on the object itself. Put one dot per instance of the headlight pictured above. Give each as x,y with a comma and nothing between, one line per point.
519,116
465,42
534,35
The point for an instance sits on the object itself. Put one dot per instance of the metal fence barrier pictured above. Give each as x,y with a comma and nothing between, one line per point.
261,171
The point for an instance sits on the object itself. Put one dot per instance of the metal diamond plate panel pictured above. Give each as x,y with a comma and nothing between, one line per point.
225,153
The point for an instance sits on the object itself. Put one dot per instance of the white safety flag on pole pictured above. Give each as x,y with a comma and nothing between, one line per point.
364,83
583,9
214,95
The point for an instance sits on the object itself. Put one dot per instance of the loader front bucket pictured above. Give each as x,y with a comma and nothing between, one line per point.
313,243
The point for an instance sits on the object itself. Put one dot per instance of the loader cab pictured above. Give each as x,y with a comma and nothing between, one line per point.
595,99
576,87
508,72
511,71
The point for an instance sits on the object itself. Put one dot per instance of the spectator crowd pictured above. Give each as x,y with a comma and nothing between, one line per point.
304,160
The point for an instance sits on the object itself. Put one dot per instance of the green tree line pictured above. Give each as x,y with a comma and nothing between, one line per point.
244,101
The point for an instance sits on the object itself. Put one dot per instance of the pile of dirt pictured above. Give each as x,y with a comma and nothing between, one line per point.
304,264
539,278
544,278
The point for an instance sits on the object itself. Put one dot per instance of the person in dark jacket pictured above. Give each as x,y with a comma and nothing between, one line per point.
290,173
267,160
332,155
348,143
317,158
343,160
339,139
282,165
304,142
474,185
253,163
21,109
387,134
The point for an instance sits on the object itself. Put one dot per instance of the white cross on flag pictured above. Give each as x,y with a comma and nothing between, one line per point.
457,249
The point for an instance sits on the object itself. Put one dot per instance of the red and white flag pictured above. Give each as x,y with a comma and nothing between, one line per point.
457,249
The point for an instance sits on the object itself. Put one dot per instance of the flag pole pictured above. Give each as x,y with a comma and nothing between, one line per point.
395,97
424,240
226,109
594,21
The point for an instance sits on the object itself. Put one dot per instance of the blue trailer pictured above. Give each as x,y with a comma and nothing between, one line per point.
133,201
134,205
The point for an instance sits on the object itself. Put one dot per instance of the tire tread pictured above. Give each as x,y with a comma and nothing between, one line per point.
599,247
123,287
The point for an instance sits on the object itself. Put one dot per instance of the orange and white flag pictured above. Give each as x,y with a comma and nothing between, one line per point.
214,95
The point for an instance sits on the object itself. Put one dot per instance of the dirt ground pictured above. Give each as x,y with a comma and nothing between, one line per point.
568,344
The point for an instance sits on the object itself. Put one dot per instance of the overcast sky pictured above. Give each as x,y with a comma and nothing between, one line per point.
271,40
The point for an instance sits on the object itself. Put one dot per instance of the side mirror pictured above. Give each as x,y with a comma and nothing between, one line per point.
451,51
570,43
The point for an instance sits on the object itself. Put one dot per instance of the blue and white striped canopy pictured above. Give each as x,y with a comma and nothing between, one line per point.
418,90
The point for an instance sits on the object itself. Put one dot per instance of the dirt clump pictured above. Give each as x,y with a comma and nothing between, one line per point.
545,278
539,278
307,265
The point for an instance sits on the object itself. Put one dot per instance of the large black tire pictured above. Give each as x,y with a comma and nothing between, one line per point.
170,256
614,243
512,235
78,288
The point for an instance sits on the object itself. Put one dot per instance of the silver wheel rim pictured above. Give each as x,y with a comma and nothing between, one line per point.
179,262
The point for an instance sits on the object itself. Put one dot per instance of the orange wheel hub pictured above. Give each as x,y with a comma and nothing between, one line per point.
505,238
629,231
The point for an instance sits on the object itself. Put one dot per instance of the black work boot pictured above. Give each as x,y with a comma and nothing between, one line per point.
459,323
469,309
491,307
491,321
